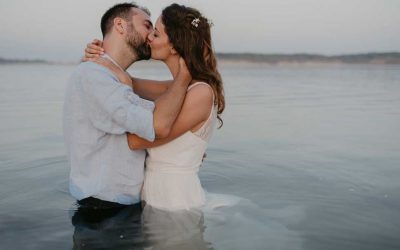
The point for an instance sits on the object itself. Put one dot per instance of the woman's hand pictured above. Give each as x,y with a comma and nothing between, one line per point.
123,76
93,50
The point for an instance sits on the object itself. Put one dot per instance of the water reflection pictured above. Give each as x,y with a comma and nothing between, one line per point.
108,228
134,227
174,229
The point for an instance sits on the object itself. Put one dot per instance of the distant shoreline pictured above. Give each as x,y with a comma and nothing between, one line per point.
23,61
367,58
273,59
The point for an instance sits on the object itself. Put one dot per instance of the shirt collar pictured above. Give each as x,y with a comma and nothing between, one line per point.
112,60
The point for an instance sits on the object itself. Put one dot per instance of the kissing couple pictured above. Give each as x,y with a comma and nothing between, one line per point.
137,141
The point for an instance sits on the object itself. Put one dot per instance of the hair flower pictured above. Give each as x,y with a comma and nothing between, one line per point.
196,22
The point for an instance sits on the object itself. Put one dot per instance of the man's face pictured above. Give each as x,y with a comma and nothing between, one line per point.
139,28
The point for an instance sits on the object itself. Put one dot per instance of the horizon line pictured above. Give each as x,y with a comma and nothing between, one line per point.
5,59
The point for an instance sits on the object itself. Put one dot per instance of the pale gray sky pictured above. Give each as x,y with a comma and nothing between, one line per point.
59,30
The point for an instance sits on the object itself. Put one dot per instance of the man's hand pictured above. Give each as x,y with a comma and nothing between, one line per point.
184,74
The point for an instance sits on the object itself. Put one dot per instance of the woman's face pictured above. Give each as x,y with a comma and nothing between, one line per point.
161,48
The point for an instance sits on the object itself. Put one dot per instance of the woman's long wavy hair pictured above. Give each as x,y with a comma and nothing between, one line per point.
189,32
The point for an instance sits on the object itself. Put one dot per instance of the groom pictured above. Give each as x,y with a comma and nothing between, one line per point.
99,111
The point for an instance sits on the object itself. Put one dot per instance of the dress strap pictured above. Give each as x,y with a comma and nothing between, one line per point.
197,83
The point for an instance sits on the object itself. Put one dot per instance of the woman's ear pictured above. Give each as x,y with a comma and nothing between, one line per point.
173,51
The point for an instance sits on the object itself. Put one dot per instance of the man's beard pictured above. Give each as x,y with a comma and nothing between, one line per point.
138,45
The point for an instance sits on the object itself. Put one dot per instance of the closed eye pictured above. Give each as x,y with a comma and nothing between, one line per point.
148,25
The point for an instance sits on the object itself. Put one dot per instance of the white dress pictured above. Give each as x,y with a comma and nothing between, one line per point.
171,176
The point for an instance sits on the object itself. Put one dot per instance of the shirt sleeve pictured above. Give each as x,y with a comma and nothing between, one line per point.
114,108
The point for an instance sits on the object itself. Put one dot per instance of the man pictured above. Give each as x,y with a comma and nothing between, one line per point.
99,111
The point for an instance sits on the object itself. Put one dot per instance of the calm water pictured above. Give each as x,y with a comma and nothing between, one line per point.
308,158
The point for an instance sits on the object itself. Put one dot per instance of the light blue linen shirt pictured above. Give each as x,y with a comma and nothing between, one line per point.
98,111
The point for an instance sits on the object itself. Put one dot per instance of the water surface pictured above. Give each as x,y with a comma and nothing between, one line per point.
308,158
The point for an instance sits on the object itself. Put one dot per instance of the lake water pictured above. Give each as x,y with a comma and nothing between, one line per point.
308,158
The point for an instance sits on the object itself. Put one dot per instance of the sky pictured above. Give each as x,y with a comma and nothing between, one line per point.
59,30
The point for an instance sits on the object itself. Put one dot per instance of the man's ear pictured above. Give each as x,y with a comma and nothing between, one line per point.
119,25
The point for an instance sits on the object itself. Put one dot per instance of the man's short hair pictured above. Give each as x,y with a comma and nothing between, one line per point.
122,10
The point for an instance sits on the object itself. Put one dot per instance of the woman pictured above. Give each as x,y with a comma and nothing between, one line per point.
171,181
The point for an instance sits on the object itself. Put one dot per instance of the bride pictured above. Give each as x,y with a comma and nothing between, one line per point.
171,176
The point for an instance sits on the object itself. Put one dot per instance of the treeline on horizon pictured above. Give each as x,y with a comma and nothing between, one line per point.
367,58
16,61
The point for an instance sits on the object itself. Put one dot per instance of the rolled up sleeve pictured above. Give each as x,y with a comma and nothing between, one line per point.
114,108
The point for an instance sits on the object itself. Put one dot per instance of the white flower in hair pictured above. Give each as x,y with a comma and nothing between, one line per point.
196,22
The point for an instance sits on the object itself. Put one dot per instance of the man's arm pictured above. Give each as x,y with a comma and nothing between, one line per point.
166,107
112,107
150,89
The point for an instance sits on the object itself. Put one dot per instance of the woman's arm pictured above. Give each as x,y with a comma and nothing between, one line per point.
195,111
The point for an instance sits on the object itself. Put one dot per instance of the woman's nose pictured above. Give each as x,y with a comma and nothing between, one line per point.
150,37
